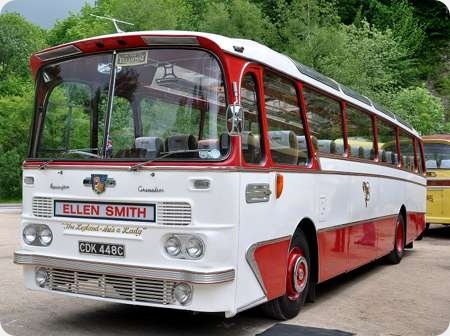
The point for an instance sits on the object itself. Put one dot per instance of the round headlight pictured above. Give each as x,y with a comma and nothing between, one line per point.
183,293
194,248
41,277
173,246
29,234
45,236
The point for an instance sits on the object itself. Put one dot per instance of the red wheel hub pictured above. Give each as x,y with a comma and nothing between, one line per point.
297,274
399,237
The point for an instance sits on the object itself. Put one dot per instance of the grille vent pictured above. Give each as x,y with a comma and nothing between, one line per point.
174,213
110,286
42,207
167,213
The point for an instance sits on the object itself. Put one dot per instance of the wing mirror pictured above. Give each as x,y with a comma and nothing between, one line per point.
235,119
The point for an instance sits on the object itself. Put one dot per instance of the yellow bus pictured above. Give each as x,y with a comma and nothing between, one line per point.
437,156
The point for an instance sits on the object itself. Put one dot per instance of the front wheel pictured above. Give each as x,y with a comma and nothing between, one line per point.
399,242
298,279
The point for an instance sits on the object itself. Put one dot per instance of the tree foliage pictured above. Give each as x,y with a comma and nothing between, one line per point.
393,51
18,39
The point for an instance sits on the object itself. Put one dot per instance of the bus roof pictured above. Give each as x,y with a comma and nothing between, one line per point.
248,49
436,138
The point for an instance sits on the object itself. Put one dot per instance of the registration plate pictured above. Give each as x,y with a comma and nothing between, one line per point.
113,250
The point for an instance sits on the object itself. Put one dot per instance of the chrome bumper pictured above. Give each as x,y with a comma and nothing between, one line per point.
31,258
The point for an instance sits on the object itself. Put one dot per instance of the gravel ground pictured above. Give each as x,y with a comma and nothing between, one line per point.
412,298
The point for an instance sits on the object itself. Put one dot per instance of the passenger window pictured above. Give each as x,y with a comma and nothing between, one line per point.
387,142
419,156
407,151
286,133
325,122
360,134
251,133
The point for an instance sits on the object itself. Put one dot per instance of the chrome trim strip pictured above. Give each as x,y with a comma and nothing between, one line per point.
30,258
297,170
250,257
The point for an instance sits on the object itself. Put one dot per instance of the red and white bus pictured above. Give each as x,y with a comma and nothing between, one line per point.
194,171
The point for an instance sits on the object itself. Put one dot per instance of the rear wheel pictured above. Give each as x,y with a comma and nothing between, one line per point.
399,243
297,282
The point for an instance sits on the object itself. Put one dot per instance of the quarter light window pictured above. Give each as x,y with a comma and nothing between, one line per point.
251,133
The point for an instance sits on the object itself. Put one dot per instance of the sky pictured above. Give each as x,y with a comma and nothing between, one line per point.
42,12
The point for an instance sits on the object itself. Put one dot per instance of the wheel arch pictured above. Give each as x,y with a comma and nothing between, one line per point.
307,226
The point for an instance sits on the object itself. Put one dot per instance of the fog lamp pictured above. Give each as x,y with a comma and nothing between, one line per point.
41,277
183,293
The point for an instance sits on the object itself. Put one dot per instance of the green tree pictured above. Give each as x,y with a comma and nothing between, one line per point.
15,115
18,39
424,111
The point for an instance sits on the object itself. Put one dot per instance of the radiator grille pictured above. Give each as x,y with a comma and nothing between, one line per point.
110,286
42,207
174,213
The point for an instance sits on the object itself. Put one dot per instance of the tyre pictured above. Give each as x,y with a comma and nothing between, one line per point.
297,282
399,242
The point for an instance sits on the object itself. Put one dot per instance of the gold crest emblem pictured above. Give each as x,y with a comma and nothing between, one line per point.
98,182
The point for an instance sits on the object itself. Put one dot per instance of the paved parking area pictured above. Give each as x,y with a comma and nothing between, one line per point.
412,298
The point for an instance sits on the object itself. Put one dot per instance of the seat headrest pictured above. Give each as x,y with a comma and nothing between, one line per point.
152,145
181,142
149,143
282,139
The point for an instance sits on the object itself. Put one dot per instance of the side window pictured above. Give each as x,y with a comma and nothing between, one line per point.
286,133
251,132
325,122
407,151
387,142
419,156
360,134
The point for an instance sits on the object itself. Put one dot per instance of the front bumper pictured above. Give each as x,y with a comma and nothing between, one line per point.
198,277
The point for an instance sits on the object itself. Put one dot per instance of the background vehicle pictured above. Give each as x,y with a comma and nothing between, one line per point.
437,156
194,171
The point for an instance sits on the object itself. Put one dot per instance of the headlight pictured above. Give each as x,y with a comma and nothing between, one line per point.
37,235
45,236
173,246
184,246
29,234
194,248
183,293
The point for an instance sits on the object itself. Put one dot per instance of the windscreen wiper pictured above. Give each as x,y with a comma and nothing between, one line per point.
71,151
164,155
